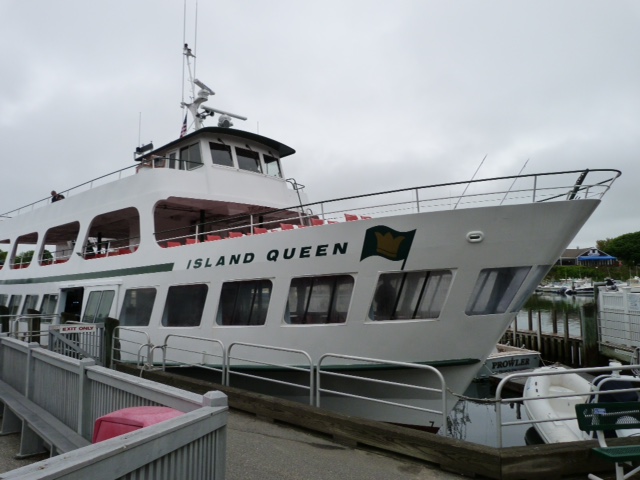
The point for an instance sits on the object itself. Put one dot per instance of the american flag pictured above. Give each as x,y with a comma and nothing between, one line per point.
183,132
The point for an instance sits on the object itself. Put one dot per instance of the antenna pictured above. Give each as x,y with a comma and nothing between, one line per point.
474,176
514,182
205,91
203,86
203,95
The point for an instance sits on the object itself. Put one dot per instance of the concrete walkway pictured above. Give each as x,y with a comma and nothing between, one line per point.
9,447
261,450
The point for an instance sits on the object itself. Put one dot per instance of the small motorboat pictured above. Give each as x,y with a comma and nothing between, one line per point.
555,417
506,359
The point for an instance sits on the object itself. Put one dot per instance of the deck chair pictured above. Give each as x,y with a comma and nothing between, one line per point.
622,418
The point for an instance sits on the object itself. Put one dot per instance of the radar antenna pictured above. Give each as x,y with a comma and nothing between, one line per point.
202,96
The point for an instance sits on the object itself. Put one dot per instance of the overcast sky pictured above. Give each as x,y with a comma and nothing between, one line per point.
372,94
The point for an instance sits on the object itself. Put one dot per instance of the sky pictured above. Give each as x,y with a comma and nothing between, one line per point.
372,94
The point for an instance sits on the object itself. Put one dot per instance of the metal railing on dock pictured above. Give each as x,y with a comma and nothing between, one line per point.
75,393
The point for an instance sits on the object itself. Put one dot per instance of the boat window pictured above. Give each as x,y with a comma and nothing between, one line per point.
221,154
172,160
137,307
244,303
248,160
3,253
273,166
184,306
30,303
319,300
410,295
49,304
190,157
529,286
98,306
3,300
113,233
23,250
14,303
495,289
58,243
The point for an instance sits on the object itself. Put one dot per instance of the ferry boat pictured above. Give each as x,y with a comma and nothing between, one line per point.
206,237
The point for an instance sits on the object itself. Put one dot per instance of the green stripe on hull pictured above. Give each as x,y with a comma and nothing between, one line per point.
120,272
437,363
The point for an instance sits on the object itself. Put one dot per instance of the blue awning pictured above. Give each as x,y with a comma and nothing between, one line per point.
596,258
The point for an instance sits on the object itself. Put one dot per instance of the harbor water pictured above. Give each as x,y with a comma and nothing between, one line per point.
546,306
476,421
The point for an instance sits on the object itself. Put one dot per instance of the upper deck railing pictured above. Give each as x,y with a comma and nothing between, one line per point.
510,190
108,178
539,187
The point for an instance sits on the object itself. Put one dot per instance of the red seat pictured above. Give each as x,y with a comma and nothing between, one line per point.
350,218
364,217
191,241
173,244
235,235
212,238
286,226
259,230
317,221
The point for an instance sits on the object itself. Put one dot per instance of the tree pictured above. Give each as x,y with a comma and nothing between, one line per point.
23,258
625,247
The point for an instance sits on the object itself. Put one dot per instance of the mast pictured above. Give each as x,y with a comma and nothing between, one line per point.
198,111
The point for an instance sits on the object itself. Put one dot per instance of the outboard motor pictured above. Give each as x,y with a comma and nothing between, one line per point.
610,284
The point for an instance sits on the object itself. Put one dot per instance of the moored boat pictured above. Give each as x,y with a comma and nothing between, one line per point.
507,359
206,238
556,413
551,397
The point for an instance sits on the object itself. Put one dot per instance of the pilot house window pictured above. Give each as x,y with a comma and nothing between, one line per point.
191,157
319,300
221,154
273,166
410,295
248,160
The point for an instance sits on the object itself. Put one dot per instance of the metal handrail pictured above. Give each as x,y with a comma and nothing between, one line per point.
535,193
47,200
116,336
29,333
165,347
442,390
310,388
